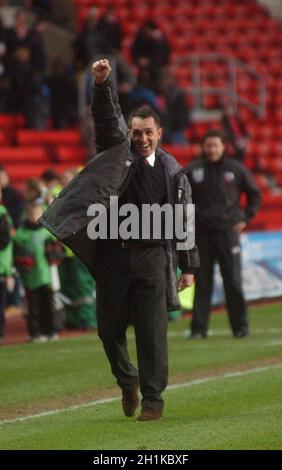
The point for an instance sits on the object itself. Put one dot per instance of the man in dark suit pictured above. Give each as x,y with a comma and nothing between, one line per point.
136,275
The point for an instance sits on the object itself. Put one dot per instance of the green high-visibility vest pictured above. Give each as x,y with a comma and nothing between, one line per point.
6,255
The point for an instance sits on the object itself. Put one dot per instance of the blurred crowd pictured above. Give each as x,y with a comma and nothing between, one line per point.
33,87
37,273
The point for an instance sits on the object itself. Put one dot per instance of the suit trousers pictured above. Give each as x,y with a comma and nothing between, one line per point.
222,246
131,287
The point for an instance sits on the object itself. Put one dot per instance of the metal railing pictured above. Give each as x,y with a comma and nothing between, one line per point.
234,68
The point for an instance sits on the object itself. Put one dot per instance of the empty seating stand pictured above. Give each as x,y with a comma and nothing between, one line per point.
35,151
4,140
243,29
48,137
32,170
23,155
71,154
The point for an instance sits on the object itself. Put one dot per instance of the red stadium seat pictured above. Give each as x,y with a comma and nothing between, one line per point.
49,137
3,138
73,154
262,182
21,173
237,28
24,155
272,201
12,121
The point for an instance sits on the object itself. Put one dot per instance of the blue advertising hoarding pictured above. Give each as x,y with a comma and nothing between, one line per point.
261,267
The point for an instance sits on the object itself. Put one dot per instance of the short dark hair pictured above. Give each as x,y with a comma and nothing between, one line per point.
215,133
144,112
50,175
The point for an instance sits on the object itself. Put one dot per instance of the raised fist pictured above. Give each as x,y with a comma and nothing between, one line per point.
101,70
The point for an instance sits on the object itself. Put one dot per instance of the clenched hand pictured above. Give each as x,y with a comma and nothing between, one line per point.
101,70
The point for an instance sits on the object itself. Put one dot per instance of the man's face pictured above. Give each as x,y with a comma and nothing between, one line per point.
145,135
213,148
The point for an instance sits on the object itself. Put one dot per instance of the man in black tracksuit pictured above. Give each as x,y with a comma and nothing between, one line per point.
135,278
217,183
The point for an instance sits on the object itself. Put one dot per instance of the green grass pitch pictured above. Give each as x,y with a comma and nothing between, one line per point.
226,392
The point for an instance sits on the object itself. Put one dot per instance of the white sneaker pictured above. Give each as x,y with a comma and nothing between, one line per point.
54,337
40,339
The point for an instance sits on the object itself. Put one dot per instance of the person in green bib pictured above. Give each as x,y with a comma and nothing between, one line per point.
6,262
77,284
31,258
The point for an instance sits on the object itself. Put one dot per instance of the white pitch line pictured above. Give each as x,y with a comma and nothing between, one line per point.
110,400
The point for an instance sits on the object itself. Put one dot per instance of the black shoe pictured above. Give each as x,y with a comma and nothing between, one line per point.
242,333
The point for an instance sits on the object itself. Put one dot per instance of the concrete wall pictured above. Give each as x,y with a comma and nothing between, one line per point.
274,6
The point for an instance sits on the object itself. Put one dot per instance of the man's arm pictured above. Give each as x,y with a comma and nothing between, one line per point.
253,194
188,260
110,127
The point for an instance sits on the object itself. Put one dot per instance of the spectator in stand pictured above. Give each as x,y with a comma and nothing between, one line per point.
17,36
64,13
90,43
151,49
30,250
144,94
33,191
26,64
37,108
51,185
20,73
5,82
126,81
2,48
235,130
6,263
16,3
175,110
63,105
111,30
150,46
14,202
68,175
43,5
36,44
12,198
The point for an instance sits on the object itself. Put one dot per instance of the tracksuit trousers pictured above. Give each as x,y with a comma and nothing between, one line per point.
222,246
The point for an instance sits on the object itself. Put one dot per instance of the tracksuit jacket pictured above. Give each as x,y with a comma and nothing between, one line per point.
217,188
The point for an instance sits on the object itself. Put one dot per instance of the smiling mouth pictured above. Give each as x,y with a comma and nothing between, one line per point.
144,147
